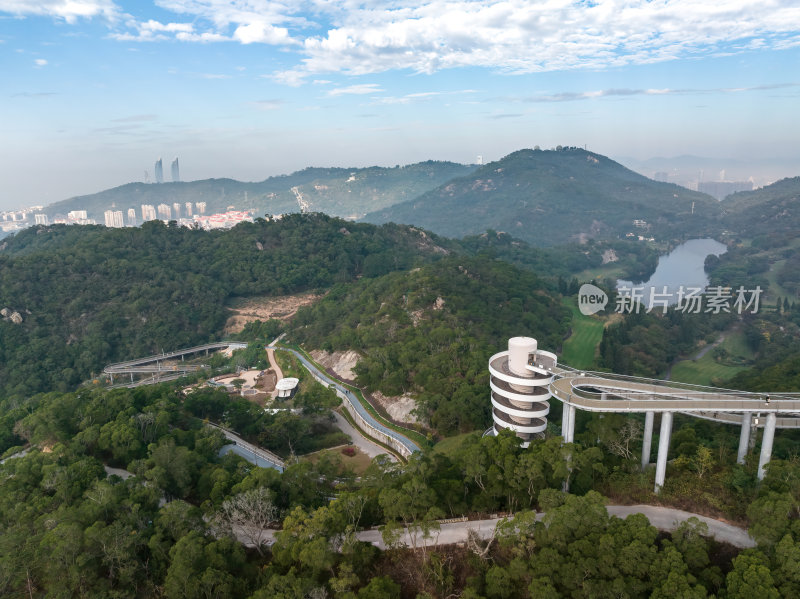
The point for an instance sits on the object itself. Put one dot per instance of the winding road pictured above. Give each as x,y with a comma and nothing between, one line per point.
663,518
352,399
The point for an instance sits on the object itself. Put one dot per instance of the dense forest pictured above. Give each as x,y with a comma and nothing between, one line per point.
188,523
125,492
89,296
431,331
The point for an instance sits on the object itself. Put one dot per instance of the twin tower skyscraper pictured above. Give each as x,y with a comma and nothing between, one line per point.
175,168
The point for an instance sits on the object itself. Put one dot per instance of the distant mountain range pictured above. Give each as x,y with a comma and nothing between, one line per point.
550,197
545,197
344,192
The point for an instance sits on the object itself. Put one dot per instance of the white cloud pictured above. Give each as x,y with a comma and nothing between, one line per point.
524,36
418,96
150,31
618,92
262,32
293,78
40,62
69,10
423,36
358,89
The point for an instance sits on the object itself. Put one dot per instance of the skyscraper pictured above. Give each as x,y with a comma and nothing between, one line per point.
201,207
176,209
114,218
189,210
131,217
148,212
159,171
164,212
176,170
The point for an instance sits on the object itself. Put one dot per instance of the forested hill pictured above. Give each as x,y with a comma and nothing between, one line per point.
766,211
551,197
433,329
345,192
90,295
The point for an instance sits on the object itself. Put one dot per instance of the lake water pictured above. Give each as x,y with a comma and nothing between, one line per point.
683,266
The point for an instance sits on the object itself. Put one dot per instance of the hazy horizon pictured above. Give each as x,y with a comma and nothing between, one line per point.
97,90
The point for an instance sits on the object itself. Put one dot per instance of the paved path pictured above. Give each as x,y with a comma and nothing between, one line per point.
122,473
278,372
344,391
252,453
363,444
663,518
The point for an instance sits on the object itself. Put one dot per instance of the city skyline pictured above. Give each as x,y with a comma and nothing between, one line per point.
246,90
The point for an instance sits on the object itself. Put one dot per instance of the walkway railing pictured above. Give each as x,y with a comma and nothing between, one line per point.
256,451
131,365
395,440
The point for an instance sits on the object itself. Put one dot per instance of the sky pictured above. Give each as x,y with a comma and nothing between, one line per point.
92,92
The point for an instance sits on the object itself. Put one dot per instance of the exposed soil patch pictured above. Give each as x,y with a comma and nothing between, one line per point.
399,408
264,308
267,381
340,363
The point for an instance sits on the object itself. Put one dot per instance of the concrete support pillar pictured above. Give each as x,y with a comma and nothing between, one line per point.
564,421
744,437
112,378
766,444
570,434
131,377
647,439
663,449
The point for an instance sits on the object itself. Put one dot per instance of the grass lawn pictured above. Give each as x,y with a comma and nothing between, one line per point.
775,290
451,445
587,331
358,463
703,370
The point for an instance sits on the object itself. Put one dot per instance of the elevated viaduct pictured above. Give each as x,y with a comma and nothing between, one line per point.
524,378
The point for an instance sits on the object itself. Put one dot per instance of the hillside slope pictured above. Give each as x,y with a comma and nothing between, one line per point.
552,197
345,192
431,331
88,296
767,211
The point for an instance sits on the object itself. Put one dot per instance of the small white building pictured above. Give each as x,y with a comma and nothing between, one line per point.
287,387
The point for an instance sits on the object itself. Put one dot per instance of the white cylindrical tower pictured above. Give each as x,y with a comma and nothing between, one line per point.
519,381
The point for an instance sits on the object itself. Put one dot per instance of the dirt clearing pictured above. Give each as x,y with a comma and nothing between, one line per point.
246,310
340,362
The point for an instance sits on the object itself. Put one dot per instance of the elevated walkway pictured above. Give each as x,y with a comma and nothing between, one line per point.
513,394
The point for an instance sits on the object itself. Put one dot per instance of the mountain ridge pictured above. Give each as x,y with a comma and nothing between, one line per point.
548,197
337,191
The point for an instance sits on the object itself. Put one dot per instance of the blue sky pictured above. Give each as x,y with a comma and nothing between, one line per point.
94,91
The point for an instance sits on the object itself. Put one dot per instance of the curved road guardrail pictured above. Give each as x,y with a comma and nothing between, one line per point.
252,453
400,443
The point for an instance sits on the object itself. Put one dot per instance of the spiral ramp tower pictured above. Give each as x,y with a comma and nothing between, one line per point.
520,389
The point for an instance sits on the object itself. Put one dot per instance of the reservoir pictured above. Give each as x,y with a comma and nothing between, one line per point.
683,266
